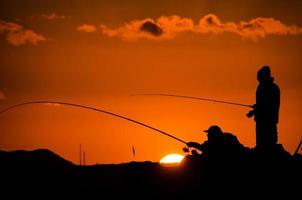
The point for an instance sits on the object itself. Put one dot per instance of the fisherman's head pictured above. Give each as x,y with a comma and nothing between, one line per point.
213,131
264,75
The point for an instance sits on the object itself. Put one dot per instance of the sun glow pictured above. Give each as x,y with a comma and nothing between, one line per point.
171,159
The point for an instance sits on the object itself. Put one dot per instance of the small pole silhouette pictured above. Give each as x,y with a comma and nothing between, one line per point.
84,158
133,152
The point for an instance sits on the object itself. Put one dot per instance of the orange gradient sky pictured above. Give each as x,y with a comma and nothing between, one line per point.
98,53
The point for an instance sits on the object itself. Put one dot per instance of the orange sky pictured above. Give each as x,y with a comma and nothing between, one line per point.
97,53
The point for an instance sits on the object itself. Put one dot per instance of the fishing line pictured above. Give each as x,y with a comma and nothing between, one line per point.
196,98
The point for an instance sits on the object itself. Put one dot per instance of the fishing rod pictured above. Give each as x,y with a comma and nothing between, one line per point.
93,109
196,98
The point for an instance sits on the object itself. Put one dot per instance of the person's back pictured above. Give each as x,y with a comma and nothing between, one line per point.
231,142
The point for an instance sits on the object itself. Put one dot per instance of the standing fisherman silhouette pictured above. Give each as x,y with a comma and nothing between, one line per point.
266,111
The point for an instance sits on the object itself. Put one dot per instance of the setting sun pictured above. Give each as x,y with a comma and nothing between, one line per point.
172,159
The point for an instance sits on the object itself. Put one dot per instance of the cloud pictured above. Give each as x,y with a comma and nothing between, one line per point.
212,24
53,16
167,27
262,27
164,27
17,35
255,28
130,31
24,37
86,28
9,26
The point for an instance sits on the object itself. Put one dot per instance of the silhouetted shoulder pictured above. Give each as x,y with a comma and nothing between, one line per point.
230,137
232,142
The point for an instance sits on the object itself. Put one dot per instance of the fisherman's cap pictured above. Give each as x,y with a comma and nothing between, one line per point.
213,129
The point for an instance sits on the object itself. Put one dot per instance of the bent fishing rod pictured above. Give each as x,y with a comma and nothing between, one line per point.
93,109
196,98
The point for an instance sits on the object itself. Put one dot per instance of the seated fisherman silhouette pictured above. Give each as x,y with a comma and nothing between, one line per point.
218,145
266,111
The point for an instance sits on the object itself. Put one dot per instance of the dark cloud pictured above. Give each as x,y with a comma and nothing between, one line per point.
151,28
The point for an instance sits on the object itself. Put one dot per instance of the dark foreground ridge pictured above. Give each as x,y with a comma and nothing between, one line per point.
41,173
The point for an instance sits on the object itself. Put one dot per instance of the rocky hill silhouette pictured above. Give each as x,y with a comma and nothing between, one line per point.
41,158
42,173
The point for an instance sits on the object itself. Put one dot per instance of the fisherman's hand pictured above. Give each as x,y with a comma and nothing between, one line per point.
191,144
254,106
250,114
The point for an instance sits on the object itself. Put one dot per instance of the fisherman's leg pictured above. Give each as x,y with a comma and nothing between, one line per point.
266,136
272,137
269,137
274,134
260,136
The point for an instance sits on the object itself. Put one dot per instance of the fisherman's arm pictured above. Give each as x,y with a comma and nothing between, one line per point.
251,113
194,145
198,146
